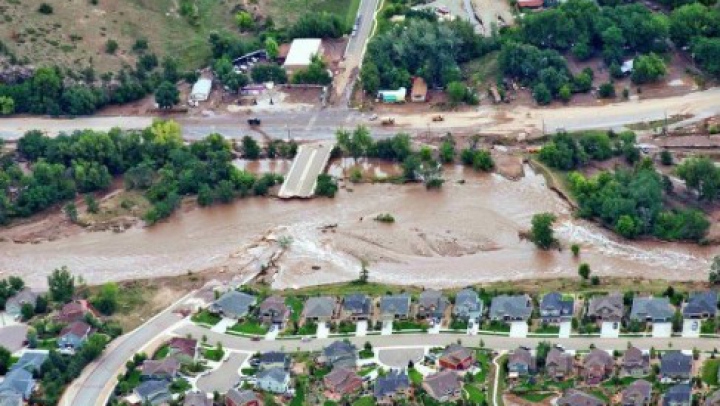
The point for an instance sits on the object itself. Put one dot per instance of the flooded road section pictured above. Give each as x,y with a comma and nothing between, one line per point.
465,233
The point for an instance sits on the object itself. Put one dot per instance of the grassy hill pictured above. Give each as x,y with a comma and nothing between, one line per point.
74,34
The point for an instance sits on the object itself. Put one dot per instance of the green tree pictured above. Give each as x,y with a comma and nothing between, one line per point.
565,93
542,94
483,161
106,300
326,186
456,92
167,95
701,175
7,105
626,227
584,271
250,148
575,248
707,54
27,311
542,233
5,359
447,151
61,285
244,21
648,68
111,46
272,48
714,274
71,212
92,204
606,90
370,77
356,144
666,157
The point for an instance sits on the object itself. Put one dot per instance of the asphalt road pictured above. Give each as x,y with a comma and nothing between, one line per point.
225,377
310,162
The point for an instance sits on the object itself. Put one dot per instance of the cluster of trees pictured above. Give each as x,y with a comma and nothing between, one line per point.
9,287
698,26
567,152
420,47
701,175
155,160
316,73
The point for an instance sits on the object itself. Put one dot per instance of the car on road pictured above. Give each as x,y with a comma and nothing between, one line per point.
373,117
254,121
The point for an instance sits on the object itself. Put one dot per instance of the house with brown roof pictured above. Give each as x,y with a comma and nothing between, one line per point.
197,399
608,308
597,366
634,363
559,364
236,397
274,312
418,94
638,393
341,382
444,386
520,363
574,397
76,311
457,357
73,336
183,349
160,369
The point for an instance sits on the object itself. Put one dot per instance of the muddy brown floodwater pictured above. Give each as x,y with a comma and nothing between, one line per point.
465,233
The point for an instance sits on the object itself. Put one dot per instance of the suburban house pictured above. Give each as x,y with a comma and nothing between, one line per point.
275,380
13,306
714,399
75,311
274,359
574,397
31,360
319,309
675,367
183,349
606,308
511,308
357,307
274,312
678,395
197,399
597,366
559,364
701,305
153,392
395,307
555,308
11,398
341,382
301,53
73,336
468,305
340,354
444,386
520,363
418,93
236,397
18,381
634,363
652,309
638,393
390,387
233,305
432,304
160,369
457,357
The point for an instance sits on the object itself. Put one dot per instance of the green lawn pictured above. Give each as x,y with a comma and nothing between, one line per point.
286,11
296,305
299,399
48,344
536,397
213,354
251,327
415,376
366,371
162,352
205,317
407,325
474,394
365,354
180,385
364,401
710,371
132,379
346,328
496,326
547,329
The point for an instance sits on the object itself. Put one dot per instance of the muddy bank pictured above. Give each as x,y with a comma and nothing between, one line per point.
465,233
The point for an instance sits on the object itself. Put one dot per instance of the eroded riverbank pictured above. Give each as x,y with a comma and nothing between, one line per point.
465,233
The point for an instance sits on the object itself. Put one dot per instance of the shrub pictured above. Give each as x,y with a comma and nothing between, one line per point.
111,46
326,186
385,218
45,9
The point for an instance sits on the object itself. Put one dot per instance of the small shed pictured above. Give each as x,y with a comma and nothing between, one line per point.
392,96
419,90
201,90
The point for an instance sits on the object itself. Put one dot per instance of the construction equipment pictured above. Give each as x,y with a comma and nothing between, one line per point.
388,121
438,117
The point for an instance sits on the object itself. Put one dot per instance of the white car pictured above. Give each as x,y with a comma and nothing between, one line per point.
373,117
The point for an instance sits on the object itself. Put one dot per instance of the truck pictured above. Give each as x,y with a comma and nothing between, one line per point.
388,121
254,122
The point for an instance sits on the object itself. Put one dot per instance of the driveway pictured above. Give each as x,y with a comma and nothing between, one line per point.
691,328
565,329
273,333
323,331
223,325
225,377
12,337
662,330
518,329
387,328
435,329
610,329
399,357
361,329
473,328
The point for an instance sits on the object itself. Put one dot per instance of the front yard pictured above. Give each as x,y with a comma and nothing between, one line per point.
205,317
250,327
401,325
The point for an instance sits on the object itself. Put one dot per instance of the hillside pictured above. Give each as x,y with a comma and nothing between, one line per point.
75,32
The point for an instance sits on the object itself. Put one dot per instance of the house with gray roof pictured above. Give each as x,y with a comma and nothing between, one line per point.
432,304
635,363
701,305
520,363
167,369
390,387
11,398
574,397
153,392
652,310
395,307
556,308
340,354
468,305
318,309
74,336
275,380
357,307
444,386
638,393
197,399
236,397
19,381
233,305
606,308
13,306
511,308
675,367
274,359
678,395
31,360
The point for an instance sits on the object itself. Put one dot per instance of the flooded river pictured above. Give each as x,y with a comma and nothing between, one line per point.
465,233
